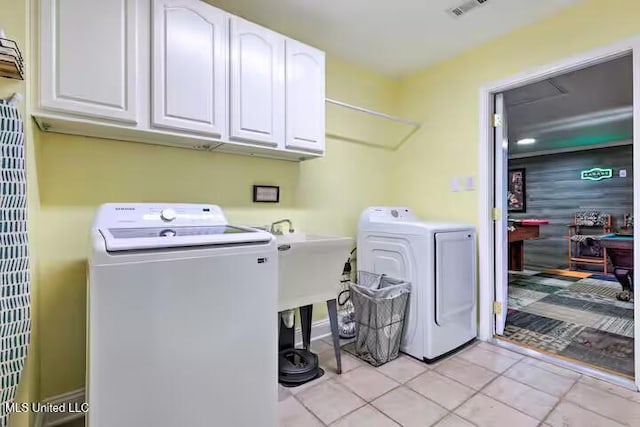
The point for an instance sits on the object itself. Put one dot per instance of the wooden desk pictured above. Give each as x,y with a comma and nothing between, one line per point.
524,230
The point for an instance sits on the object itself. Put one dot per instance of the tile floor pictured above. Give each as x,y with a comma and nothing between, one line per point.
484,385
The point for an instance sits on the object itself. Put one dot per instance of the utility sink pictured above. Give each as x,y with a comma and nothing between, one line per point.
310,267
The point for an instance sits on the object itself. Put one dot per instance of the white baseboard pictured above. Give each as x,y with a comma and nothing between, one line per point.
72,399
319,329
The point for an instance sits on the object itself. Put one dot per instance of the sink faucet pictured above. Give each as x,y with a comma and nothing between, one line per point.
277,230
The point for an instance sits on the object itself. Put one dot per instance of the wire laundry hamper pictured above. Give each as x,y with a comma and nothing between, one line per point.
380,305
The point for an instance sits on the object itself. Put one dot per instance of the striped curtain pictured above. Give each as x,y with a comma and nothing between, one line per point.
15,301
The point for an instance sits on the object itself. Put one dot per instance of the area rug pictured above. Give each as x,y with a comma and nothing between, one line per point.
572,315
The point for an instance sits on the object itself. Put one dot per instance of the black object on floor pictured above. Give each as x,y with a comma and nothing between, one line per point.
297,366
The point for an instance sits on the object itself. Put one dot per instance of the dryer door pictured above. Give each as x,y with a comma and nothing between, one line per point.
455,275
392,255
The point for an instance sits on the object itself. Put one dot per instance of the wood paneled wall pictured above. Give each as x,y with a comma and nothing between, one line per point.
555,192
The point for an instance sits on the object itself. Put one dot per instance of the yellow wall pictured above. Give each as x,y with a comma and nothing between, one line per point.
445,97
13,19
76,174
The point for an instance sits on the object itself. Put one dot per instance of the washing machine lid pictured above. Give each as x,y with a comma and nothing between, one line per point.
136,226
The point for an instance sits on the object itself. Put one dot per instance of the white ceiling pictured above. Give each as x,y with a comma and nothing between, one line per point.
394,38
586,107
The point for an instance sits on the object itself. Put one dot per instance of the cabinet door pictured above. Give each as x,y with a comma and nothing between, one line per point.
88,58
188,66
305,73
257,84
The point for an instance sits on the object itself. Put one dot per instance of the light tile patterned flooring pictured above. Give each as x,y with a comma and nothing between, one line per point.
483,385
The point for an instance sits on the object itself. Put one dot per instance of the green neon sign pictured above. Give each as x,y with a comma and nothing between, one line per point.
596,174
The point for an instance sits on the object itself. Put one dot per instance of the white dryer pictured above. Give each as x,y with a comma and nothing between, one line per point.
182,325
440,262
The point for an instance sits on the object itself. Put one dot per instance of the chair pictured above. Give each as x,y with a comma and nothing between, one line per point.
627,224
583,238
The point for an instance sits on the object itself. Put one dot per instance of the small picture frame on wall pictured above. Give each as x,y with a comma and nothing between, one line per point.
266,194
516,191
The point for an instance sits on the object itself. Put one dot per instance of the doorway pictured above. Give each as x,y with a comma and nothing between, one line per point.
546,297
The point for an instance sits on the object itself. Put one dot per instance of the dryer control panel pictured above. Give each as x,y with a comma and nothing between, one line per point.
388,213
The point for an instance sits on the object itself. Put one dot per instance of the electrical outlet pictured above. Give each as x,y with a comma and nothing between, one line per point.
469,183
455,184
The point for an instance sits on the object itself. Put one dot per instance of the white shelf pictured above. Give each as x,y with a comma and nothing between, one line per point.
367,126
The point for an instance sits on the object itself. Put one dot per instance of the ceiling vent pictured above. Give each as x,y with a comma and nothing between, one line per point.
465,7
534,92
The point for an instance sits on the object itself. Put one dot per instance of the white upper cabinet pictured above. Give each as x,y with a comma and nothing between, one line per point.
88,58
305,93
180,73
257,84
189,67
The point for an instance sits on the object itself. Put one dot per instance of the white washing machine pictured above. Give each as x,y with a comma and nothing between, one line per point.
440,262
182,324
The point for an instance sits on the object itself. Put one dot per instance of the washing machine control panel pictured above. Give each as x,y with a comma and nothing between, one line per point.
168,214
131,215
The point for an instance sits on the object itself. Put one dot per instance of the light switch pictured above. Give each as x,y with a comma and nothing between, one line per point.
469,183
623,173
455,184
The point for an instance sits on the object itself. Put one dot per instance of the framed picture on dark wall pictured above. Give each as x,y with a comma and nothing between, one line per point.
516,191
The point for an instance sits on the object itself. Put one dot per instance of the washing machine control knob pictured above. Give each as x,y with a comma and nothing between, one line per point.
168,215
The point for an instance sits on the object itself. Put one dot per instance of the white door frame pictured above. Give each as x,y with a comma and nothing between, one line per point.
486,166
